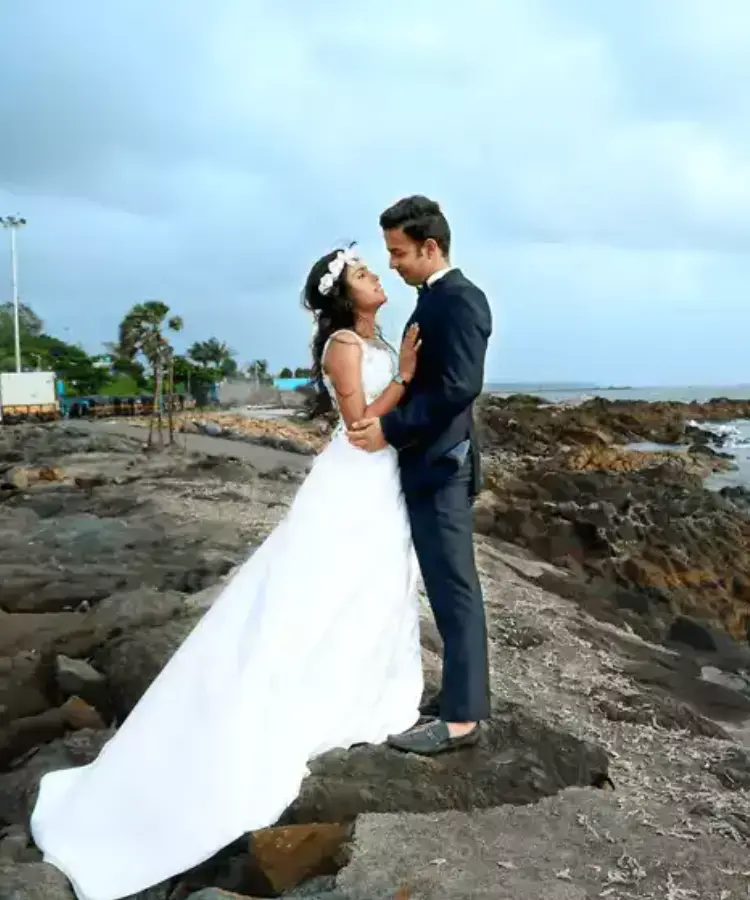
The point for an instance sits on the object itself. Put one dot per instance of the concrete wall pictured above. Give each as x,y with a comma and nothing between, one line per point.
243,392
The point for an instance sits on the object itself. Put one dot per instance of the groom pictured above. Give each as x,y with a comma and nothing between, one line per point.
433,431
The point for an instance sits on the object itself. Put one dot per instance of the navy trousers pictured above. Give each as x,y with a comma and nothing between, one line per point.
441,525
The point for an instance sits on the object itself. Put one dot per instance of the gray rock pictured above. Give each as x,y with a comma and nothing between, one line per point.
429,635
33,881
22,686
14,844
569,847
72,558
158,892
41,587
23,735
654,709
141,607
733,769
323,888
509,631
77,678
323,885
131,663
41,633
213,893
314,892
18,787
204,600
276,442
731,680
518,760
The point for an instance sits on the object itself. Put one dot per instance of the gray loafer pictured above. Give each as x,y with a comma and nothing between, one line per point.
431,739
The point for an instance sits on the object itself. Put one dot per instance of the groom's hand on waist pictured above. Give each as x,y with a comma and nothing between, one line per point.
367,434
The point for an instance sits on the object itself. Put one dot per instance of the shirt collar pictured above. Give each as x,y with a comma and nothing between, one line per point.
436,276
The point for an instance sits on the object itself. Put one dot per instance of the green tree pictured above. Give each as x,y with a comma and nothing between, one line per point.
82,374
193,379
121,386
215,356
124,368
302,373
141,333
30,325
207,363
286,373
258,371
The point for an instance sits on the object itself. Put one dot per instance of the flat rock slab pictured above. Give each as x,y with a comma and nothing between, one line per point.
19,787
262,458
213,893
33,881
518,760
578,845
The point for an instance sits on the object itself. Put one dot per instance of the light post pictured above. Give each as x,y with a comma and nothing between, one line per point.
13,223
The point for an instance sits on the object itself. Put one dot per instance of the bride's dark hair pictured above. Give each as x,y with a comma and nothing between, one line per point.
333,311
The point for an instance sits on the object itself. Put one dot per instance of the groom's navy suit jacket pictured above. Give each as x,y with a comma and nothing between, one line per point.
433,427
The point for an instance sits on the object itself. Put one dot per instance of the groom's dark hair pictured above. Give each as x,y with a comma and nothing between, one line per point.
420,219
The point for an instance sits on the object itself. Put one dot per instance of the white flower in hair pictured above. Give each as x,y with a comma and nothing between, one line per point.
335,268
326,283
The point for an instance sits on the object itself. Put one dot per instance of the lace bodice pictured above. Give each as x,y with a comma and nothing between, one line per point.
378,368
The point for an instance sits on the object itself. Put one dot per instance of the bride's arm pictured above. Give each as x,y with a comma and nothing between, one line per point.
343,365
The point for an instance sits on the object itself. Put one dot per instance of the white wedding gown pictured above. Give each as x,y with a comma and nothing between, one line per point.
312,645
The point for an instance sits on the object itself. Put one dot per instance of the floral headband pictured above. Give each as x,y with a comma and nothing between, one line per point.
335,267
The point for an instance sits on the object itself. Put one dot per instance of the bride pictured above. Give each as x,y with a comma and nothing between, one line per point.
312,645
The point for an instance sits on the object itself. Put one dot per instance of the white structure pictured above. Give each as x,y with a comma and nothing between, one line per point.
13,223
28,393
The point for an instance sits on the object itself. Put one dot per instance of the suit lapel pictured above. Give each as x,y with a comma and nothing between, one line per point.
424,298
415,313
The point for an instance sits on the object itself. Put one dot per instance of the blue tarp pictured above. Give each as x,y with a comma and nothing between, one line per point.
290,384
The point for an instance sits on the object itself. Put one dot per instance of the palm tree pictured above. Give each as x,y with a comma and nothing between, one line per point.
122,366
214,354
141,332
258,370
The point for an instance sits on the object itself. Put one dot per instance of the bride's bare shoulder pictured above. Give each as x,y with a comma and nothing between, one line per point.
342,364
343,350
345,336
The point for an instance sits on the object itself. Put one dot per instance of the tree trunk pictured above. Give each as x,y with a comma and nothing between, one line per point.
170,397
155,406
151,417
158,398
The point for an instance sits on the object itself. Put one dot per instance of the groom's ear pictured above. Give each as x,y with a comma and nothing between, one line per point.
430,247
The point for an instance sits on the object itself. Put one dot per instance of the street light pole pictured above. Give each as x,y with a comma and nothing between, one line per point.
13,223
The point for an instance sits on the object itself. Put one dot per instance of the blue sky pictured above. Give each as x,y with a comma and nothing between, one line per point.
593,159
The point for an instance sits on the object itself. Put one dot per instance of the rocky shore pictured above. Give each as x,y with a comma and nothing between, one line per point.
293,435
612,765
641,538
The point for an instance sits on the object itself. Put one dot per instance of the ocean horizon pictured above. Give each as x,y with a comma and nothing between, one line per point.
557,392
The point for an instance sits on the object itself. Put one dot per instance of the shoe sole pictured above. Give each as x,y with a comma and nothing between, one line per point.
451,748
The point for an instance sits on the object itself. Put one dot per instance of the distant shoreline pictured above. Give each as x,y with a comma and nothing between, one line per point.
556,393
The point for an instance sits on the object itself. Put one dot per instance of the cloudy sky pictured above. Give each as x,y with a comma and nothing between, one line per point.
593,159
